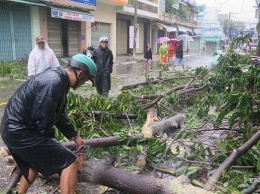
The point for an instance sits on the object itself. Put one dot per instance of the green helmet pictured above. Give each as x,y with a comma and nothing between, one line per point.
84,63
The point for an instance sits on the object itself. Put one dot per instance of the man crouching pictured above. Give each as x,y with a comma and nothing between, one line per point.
27,127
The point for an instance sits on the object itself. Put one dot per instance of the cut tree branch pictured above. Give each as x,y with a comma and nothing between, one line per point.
107,175
253,187
231,159
130,86
13,180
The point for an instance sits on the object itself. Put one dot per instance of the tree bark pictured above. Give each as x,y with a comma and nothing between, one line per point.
231,159
13,180
150,119
141,162
107,175
253,187
96,142
161,126
130,86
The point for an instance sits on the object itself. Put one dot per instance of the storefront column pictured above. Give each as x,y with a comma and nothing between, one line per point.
35,24
83,37
43,23
88,34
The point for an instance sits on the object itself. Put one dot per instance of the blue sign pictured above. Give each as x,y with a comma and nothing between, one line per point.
86,2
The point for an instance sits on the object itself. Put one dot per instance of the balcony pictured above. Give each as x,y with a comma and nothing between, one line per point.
145,9
178,19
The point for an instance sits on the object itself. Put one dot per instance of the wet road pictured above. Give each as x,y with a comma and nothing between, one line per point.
125,73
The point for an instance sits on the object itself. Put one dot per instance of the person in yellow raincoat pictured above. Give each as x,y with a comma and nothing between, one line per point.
163,51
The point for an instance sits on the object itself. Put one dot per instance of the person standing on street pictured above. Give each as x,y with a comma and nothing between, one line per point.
103,58
148,58
170,52
163,50
41,57
179,61
27,127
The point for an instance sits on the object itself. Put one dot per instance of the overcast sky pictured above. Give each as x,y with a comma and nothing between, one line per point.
242,9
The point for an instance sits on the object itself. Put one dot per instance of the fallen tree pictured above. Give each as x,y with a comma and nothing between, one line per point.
13,180
96,142
160,96
159,127
107,175
130,86
231,159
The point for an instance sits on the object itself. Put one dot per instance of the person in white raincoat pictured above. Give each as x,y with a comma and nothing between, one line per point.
41,57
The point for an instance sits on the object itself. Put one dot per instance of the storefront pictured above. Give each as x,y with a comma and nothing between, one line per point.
15,39
105,25
64,31
212,43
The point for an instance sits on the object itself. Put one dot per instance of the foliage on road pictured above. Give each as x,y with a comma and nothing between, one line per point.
233,90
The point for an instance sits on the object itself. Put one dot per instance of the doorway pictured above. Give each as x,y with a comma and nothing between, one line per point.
64,38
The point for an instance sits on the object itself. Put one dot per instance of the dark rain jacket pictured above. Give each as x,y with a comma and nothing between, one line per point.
148,54
103,59
179,52
38,105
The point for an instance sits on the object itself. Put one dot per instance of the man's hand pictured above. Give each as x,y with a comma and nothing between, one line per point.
78,141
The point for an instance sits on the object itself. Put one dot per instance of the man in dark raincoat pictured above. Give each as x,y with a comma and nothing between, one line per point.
103,58
27,127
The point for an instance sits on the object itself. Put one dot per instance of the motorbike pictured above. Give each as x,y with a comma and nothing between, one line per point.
89,51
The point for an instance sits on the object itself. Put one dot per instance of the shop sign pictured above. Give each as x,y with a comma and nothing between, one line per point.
71,15
86,2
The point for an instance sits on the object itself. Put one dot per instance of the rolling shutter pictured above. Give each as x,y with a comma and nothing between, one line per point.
211,46
102,29
121,37
15,31
54,35
73,36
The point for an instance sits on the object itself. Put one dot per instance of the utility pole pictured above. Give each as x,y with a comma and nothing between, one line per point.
135,30
229,21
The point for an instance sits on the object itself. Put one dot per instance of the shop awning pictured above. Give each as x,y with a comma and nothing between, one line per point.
212,39
167,28
182,29
71,14
28,2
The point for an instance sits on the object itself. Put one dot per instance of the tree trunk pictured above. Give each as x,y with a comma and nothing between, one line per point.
150,119
141,162
107,175
231,159
161,126
253,187
13,180
130,86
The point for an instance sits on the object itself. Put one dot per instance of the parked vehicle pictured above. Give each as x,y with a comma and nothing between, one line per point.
89,51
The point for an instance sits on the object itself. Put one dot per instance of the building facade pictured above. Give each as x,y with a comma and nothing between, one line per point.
69,26
209,27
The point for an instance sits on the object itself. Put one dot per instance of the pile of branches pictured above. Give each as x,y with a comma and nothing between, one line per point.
162,120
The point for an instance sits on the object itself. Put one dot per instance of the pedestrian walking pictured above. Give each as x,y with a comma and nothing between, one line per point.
179,61
170,52
27,127
148,58
103,58
41,57
163,50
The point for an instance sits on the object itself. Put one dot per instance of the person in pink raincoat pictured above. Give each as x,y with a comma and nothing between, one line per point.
41,58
